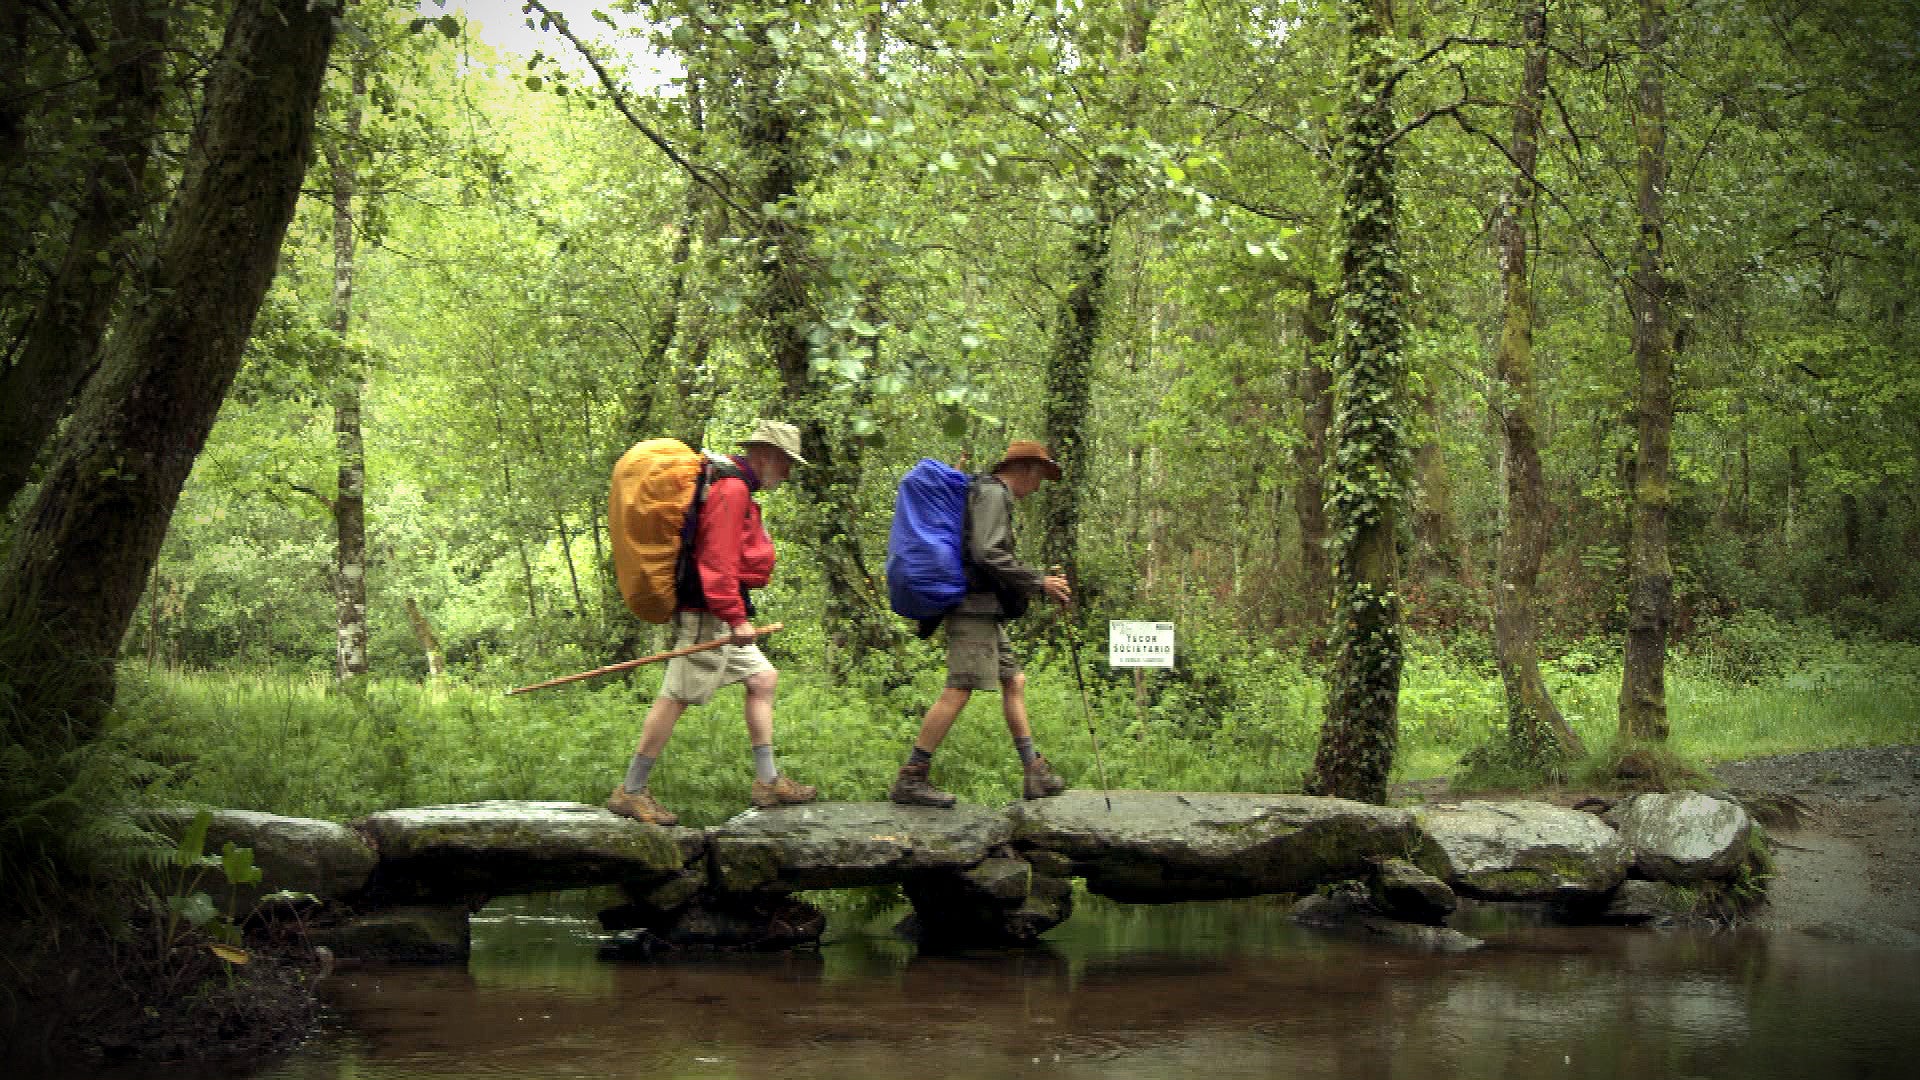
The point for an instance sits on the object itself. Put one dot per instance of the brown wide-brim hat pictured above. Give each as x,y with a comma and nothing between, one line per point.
1024,450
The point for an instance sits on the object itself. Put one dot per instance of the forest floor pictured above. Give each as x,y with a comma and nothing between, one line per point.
1845,832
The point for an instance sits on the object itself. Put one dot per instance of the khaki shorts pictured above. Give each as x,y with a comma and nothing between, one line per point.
693,679
979,656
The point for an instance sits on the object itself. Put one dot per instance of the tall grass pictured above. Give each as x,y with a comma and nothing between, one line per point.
300,746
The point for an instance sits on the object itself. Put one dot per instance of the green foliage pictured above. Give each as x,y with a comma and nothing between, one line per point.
187,906
1230,719
540,287
67,831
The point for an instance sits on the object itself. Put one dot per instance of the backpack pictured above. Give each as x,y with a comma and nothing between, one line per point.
926,548
653,512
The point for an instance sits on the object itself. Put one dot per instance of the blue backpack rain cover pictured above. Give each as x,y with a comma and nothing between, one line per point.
926,549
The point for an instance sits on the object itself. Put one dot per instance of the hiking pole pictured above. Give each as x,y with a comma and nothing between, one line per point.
1073,646
629,665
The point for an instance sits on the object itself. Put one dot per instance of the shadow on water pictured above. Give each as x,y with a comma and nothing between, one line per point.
1224,989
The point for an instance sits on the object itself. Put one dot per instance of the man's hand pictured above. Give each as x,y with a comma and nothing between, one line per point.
742,634
1055,586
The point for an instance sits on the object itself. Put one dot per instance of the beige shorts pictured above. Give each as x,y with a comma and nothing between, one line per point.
694,679
979,656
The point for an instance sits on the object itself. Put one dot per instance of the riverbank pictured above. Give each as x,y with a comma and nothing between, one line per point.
1845,826
71,992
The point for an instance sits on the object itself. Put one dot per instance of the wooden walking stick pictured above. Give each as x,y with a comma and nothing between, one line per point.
629,665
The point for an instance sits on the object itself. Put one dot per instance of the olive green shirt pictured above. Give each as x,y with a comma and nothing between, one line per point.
991,564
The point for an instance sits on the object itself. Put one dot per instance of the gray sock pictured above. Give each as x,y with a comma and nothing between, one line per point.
1025,749
637,772
763,769
920,757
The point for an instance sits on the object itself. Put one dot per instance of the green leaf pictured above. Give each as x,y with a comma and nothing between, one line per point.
193,842
197,908
449,26
237,863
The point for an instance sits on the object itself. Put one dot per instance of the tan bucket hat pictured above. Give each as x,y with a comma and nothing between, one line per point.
1021,450
782,437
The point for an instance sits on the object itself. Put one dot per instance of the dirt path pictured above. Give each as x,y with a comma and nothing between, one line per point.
1846,843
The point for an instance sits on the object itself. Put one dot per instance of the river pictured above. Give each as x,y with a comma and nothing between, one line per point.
1221,990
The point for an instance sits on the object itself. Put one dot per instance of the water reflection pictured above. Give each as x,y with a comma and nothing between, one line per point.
1227,990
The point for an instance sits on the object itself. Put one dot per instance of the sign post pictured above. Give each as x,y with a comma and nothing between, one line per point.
1139,645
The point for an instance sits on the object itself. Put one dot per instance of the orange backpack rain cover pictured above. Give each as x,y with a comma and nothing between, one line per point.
653,486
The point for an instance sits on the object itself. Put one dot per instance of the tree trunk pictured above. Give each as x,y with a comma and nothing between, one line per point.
1069,393
1067,413
642,397
1643,684
62,347
1310,460
429,644
350,505
1358,739
1536,731
857,620
86,545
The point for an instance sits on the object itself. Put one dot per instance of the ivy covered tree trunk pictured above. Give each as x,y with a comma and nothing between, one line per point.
1536,731
1314,386
63,336
1069,380
857,619
1067,412
1359,736
350,504
1643,685
85,547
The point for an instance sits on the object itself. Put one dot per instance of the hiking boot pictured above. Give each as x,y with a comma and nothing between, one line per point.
1041,781
782,792
640,806
911,788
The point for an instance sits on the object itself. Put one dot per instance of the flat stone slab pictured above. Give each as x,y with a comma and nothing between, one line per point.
500,848
1158,846
306,855
1684,837
1525,850
839,845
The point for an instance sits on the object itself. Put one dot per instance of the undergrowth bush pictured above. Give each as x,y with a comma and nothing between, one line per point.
1247,720
69,844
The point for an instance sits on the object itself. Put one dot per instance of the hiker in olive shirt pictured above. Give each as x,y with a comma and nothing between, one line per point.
979,656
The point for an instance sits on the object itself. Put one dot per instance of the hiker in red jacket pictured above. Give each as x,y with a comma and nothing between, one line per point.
732,554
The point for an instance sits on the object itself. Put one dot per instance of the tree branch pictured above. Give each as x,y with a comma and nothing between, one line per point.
619,98
305,490
1406,67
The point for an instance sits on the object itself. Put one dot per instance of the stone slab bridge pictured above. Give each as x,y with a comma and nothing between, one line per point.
401,883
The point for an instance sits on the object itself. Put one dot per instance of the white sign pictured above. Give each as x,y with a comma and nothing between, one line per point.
1140,644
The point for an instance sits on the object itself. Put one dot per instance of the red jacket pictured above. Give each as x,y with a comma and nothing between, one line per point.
731,547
